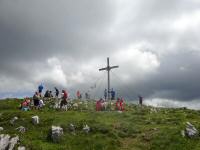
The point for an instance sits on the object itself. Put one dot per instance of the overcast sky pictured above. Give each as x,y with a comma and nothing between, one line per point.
63,43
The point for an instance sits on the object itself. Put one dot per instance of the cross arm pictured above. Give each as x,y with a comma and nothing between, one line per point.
103,69
114,67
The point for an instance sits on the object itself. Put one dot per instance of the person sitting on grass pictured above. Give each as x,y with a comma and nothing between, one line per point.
118,104
99,104
46,95
36,99
25,105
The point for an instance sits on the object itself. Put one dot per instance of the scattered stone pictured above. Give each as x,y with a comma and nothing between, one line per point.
1,128
155,129
12,121
56,133
72,127
4,141
35,120
86,129
80,103
56,105
119,111
8,143
190,130
64,107
21,129
13,141
21,148
75,106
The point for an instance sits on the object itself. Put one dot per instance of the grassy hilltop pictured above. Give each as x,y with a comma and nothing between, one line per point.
136,128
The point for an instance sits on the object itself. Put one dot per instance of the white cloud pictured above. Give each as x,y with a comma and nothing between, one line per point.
133,57
189,21
52,71
169,103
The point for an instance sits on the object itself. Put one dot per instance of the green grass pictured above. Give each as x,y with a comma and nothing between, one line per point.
136,128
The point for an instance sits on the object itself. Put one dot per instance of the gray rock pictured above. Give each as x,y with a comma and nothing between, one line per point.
13,141
21,129
21,148
119,111
190,130
4,141
56,106
12,121
35,120
86,129
8,143
72,127
1,128
64,107
75,106
56,133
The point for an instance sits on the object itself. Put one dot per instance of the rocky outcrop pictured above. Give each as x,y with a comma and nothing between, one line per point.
35,120
190,131
56,133
8,143
21,129
12,121
86,129
1,128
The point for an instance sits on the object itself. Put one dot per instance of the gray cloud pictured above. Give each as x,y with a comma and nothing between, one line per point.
63,43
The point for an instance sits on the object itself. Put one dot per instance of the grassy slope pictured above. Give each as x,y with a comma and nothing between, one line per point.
136,128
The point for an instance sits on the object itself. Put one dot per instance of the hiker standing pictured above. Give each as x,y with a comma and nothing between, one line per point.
105,94
57,92
40,88
112,94
64,98
140,100
78,94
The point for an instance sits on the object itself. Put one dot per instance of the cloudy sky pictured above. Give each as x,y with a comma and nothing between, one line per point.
64,43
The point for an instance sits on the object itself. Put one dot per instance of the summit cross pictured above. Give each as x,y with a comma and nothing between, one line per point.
108,68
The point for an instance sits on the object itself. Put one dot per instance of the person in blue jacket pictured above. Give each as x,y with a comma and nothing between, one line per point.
112,94
40,88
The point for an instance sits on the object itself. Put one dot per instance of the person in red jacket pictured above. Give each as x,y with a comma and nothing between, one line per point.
78,94
118,104
122,104
64,98
98,105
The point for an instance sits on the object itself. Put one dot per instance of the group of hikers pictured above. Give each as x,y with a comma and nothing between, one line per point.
112,93
119,105
37,100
